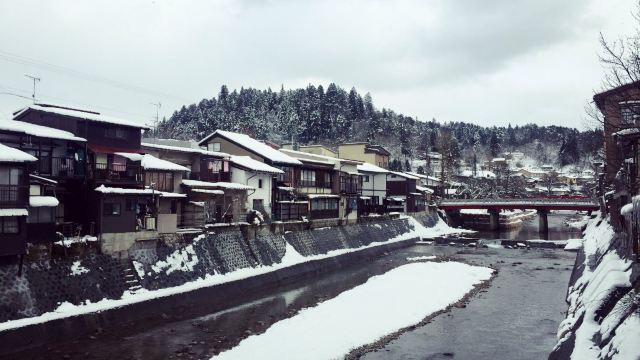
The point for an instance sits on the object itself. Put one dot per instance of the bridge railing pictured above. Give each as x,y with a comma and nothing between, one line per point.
518,201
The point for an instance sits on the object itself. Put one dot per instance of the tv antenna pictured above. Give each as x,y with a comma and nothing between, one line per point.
35,79
158,105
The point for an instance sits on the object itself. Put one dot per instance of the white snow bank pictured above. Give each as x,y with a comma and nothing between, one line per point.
594,286
384,304
418,258
290,258
573,244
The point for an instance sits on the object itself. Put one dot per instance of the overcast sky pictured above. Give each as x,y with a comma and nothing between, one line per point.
489,62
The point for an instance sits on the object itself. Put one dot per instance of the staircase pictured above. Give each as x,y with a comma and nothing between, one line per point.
131,278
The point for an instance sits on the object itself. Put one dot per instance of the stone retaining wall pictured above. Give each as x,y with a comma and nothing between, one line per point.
152,265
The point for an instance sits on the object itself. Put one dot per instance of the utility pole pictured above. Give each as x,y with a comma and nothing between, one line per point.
158,105
35,79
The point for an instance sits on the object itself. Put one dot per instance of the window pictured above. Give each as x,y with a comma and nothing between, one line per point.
163,181
365,178
34,190
327,180
324,204
40,215
307,178
174,206
260,183
111,209
10,176
258,204
215,146
9,225
115,133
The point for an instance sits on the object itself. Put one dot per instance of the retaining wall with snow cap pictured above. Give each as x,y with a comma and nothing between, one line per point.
45,286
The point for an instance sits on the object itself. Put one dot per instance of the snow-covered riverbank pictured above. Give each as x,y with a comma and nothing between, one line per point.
399,298
603,313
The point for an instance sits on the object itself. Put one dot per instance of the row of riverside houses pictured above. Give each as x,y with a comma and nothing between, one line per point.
72,174
619,186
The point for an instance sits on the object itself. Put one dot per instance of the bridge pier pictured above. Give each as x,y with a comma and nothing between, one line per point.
453,218
543,221
494,219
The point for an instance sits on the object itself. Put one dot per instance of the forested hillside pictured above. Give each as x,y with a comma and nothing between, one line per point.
316,115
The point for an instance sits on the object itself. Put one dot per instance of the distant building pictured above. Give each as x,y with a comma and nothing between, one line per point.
364,152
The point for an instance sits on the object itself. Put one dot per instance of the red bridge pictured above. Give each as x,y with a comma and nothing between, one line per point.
543,205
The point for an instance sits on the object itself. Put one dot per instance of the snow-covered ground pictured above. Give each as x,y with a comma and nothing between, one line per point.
290,258
384,304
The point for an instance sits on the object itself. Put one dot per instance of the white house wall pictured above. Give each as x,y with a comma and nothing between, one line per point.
247,178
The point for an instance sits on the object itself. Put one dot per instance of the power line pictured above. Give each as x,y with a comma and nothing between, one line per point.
23,60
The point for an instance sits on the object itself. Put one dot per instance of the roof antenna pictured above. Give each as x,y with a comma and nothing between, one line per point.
35,79
158,105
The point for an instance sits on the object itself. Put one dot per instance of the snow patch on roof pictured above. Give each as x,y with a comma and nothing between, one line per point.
370,168
9,154
255,165
115,190
43,201
13,212
255,146
38,130
220,184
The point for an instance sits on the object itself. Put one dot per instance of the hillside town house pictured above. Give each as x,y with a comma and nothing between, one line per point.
374,189
14,201
402,195
284,202
619,184
331,185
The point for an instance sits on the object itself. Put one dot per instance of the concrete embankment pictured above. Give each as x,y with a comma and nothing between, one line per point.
216,270
603,319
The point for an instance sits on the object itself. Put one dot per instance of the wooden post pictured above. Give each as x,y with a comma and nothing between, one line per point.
494,219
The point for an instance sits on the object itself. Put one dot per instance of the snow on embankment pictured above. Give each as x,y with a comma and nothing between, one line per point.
384,304
208,261
603,319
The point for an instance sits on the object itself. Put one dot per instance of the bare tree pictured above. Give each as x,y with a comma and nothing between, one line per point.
620,58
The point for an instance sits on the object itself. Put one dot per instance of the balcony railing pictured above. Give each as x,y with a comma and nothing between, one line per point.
115,172
211,177
14,196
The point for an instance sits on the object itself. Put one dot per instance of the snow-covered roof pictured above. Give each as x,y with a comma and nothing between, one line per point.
38,130
80,114
404,175
220,184
13,212
43,201
42,178
150,162
208,191
625,132
124,191
185,149
255,146
370,168
424,189
255,165
165,194
323,196
479,174
9,154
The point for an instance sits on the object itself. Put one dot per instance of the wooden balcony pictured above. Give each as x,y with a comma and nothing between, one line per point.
115,173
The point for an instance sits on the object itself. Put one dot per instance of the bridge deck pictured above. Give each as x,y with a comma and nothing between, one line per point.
534,204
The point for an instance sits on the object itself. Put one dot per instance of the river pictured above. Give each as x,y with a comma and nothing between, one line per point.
516,317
